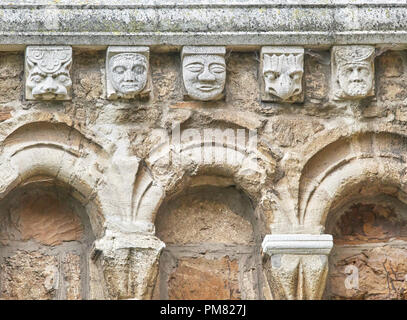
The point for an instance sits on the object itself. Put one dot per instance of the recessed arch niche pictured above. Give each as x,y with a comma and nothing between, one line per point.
212,245
45,242
370,246
355,189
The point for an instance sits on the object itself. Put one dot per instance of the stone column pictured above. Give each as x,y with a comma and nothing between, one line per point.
298,265
124,265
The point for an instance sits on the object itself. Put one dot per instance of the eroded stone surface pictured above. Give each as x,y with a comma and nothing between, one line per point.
11,68
217,223
368,259
321,150
29,275
205,279
210,218
381,274
46,220
45,240
72,276
369,223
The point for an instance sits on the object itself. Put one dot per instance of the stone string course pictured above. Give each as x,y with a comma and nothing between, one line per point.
250,146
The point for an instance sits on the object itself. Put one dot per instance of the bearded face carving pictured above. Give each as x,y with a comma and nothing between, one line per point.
282,69
353,72
47,73
127,72
204,72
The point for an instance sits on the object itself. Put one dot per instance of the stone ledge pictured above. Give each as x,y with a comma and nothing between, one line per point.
215,22
307,244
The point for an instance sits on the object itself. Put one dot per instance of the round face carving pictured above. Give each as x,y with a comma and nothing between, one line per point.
204,76
356,79
128,73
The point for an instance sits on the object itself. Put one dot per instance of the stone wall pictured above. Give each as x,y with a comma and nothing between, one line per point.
45,237
177,163
212,251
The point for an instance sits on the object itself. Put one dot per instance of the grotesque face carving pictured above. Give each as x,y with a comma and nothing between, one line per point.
204,75
47,73
353,71
282,71
128,73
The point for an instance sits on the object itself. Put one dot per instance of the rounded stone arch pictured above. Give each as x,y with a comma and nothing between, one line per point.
59,120
57,162
361,165
219,187
38,151
171,168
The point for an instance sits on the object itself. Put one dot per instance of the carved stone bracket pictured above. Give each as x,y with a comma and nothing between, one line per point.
124,265
298,266
47,74
204,72
352,72
127,72
282,69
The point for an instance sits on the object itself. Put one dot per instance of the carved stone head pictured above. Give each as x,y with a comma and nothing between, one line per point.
204,72
127,71
282,69
353,72
47,73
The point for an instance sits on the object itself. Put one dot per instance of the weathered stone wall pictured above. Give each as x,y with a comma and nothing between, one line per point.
211,220
212,250
45,236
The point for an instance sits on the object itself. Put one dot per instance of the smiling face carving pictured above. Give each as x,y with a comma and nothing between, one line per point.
283,75
128,73
353,72
204,75
47,73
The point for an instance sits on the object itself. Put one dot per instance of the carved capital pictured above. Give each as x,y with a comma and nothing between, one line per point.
204,72
47,74
127,265
352,72
298,265
281,74
127,72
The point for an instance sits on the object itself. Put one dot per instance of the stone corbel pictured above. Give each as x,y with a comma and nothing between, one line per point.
352,72
282,70
204,72
128,72
298,265
47,72
124,265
